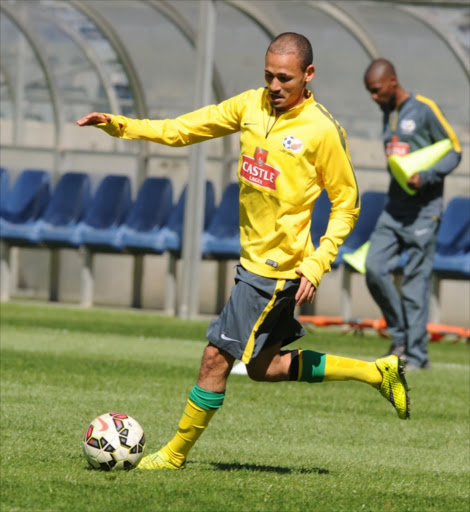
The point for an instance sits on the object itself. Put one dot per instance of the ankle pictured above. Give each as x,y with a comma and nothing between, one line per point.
376,377
177,459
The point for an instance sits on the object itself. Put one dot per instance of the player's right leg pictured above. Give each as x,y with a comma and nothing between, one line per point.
205,398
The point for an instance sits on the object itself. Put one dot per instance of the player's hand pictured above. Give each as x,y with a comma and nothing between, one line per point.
93,118
414,182
306,291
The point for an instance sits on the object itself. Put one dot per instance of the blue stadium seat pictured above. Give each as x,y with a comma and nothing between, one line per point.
320,217
140,233
452,257
66,209
107,211
372,205
172,233
4,188
25,203
221,240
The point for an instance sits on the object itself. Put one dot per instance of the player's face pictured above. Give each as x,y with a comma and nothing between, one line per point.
382,90
286,81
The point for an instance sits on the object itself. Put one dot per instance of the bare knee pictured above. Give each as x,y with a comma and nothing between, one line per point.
215,369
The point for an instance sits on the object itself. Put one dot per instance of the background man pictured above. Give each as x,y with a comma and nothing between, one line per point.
409,222
290,149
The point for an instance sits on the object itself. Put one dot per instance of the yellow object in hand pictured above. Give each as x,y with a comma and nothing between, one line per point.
403,167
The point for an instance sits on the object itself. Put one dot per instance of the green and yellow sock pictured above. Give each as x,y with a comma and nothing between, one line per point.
311,366
200,408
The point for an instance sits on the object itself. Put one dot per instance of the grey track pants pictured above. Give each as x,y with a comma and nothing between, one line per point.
405,310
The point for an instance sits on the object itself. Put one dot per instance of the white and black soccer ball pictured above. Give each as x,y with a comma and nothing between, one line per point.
114,441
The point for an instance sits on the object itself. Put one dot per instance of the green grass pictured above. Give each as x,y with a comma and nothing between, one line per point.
272,447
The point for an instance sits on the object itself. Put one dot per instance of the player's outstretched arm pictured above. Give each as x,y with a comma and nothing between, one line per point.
93,119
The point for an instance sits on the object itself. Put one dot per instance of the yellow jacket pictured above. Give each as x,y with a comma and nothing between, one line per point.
284,164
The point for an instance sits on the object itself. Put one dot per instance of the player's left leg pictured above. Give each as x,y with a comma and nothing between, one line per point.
274,365
385,374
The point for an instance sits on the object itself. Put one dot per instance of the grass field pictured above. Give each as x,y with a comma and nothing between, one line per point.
290,447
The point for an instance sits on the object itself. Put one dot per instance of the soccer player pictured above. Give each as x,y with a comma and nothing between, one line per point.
291,148
409,222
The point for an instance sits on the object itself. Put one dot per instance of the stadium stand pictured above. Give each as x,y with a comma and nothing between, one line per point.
221,240
97,232
173,231
173,236
55,229
47,136
66,209
4,188
24,204
109,222
452,257
372,204
108,210
320,217
141,232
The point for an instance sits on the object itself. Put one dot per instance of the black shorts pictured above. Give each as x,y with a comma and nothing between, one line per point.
258,314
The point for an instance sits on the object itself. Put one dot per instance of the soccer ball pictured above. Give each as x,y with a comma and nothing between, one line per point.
114,441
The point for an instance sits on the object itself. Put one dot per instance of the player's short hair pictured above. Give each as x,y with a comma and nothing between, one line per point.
380,67
291,42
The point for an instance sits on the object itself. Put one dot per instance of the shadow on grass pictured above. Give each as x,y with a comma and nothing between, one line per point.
235,466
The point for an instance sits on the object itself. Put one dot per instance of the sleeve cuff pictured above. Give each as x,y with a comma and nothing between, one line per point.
115,127
427,177
312,271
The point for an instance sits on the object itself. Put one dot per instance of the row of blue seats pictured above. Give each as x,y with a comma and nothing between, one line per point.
106,221
109,221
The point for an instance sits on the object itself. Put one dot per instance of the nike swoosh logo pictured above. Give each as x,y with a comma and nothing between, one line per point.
104,425
249,124
226,338
420,232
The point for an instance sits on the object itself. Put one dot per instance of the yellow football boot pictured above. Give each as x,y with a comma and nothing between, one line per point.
394,387
158,460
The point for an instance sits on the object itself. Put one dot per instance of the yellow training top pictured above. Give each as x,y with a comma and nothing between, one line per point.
284,164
